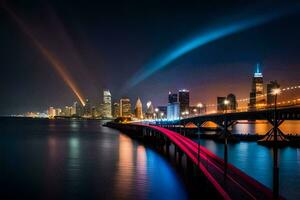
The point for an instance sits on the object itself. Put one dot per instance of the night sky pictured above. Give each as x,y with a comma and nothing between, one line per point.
102,45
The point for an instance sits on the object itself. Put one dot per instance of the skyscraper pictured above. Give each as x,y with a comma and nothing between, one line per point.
184,100
107,104
87,108
51,112
221,107
173,111
172,97
270,86
125,107
116,110
150,110
138,109
257,89
232,105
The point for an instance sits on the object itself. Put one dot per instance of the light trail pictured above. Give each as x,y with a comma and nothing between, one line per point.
213,34
59,67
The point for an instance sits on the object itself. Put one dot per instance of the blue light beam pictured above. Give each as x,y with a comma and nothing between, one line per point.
204,38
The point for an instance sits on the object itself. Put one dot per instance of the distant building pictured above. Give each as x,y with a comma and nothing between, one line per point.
257,89
270,97
73,112
58,112
184,100
79,109
232,105
51,112
67,111
173,111
138,111
194,110
107,104
116,110
221,107
150,110
172,98
125,107
87,108
162,112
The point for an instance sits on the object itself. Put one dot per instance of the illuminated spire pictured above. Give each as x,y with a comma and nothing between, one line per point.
258,72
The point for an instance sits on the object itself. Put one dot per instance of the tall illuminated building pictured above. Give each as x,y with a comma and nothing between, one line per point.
73,112
138,111
116,110
150,110
232,105
184,100
257,89
87,108
173,107
125,107
107,104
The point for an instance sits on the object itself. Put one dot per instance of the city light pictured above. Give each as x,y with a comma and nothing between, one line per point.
226,102
276,91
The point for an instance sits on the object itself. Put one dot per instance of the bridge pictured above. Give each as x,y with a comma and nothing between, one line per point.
228,181
227,120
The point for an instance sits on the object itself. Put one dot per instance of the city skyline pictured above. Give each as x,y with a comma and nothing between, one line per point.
90,58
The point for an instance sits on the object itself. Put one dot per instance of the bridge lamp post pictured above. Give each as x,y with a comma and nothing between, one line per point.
275,92
156,113
161,117
200,106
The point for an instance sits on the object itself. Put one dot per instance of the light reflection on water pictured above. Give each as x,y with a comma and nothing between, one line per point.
257,160
80,160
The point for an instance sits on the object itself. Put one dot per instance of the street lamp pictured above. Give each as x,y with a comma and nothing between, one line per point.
226,103
275,92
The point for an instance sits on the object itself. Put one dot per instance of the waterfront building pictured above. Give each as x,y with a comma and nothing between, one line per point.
257,89
116,110
58,112
87,108
270,97
138,109
173,111
51,112
232,103
184,100
125,107
73,111
150,110
67,111
161,112
79,109
107,104
221,107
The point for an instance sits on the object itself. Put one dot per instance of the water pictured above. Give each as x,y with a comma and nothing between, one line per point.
257,160
54,159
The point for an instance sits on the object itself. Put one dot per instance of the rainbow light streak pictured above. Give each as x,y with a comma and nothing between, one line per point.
55,63
213,34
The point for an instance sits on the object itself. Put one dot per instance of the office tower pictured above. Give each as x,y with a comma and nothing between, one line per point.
87,108
173,111
270,97
67,111
257,89
51,112
79,109
172,97
73,112
107,104
150,110
138,109
116,110
184,101
221,107
161,112
232,103
58,112
125,107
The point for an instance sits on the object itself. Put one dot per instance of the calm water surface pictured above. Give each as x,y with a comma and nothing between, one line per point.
52,159
257,160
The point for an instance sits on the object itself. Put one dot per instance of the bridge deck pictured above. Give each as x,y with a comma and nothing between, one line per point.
235,185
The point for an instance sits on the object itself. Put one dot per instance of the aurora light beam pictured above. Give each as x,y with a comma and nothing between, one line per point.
213,34
59,67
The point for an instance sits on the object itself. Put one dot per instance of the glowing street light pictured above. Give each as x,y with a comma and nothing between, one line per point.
226,103
276,91
200,105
